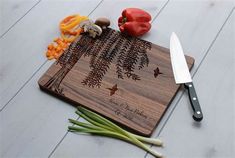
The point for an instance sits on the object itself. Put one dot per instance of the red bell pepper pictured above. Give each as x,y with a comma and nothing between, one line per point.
134,21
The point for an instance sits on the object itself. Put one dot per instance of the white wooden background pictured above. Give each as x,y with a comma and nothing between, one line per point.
34,124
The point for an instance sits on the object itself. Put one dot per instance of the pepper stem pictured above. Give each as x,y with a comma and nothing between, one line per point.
124,19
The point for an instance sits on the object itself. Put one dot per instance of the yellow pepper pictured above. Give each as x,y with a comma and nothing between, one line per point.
71,21
70,38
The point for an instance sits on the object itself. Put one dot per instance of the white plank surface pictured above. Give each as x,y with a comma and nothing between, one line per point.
33,123
28,125
12,10
196,24
31,36
214,136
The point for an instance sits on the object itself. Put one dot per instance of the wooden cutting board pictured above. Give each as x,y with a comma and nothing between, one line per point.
126,79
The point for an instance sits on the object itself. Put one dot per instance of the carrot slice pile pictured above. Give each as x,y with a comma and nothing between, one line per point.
55,49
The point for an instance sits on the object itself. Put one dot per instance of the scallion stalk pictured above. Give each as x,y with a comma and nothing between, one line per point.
100,121
102,126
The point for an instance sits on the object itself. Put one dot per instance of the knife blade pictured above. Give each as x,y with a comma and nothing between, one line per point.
182,75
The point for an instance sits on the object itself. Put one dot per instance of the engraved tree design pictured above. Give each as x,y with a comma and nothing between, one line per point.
67,61
130,51
100,64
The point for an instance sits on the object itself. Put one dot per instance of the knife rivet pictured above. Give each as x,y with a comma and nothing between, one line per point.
194,98
190,85
198,112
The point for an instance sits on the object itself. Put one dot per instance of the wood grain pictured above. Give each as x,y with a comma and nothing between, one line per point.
137,104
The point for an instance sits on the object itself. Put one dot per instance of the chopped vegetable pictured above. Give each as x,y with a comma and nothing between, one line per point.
69,27
72,35
134,21
70,23
70,30
54,50
102,126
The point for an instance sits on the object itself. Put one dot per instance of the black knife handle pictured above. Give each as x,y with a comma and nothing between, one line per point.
197,116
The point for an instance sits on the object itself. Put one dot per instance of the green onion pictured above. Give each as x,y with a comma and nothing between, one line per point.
102,126
100,121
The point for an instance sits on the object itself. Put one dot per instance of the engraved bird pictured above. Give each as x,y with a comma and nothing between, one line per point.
113,89
157,72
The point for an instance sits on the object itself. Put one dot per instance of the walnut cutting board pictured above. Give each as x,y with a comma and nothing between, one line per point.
126,79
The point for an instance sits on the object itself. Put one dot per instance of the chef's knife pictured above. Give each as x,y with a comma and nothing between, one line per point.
182,75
